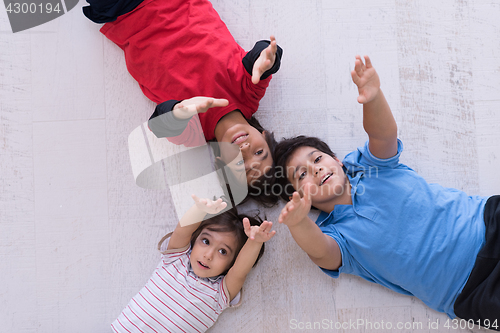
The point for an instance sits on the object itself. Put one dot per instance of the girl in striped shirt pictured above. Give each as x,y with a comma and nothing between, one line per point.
203,267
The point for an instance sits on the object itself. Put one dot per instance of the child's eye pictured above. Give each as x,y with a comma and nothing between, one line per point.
205,241
259,152
302,175
317,159
223,252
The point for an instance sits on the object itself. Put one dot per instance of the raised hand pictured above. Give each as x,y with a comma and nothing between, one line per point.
200,104
296,210
265,61
209,206
366,78
260,233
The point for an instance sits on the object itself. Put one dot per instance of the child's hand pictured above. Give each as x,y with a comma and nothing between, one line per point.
265,61
209,206
189,107
296,209
260,233
366,78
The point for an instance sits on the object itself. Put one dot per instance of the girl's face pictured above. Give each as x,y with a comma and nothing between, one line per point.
255,153
213,252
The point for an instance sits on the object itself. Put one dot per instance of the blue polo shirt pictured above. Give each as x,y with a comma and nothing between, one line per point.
412,237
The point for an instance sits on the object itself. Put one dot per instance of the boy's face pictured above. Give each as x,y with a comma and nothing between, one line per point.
321,172
212,253
254,149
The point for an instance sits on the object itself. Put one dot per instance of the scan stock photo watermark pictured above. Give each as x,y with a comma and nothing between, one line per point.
27,14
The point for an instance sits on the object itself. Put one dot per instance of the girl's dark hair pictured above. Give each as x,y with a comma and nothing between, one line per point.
229,221
260,189
282,154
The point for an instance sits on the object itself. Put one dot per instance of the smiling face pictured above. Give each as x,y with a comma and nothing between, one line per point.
213,252
328,184
254,150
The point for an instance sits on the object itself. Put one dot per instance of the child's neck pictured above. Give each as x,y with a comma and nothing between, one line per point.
343,199
228,121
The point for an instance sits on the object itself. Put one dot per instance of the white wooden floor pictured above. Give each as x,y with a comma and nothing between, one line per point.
77,236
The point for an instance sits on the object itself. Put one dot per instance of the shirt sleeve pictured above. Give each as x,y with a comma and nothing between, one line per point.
169,256
102,11
331,231
224,297
362,158
163,122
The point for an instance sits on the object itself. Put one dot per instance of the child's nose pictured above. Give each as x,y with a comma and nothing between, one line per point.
317,169
244,145
209,253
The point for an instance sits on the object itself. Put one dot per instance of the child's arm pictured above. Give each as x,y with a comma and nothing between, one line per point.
191,219
237,274
171,117
322,249
378,120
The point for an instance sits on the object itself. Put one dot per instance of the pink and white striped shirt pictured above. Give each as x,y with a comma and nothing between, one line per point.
175,299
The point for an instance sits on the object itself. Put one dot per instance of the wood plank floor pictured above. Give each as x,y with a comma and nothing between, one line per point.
77,236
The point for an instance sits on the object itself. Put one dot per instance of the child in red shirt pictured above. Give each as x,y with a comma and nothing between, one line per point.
180,49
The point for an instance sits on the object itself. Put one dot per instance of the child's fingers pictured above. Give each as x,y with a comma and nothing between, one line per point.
221,206
270,54
207,104
368,62
283,215
255,75
289,205
273,47
295,197
358,57
358,66
266,226
199,200
271,234
219,102
355,77
307,194
246,225
211,103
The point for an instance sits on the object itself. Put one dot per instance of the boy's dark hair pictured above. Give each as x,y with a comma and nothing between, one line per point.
282,154
261,188
229,221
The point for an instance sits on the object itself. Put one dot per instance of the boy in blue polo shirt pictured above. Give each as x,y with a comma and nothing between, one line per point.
380,220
